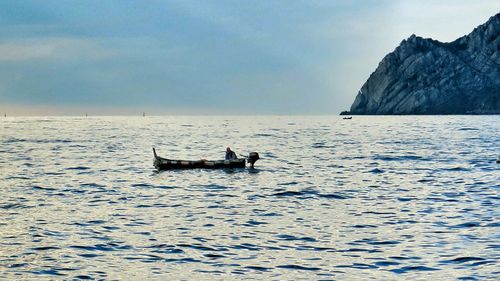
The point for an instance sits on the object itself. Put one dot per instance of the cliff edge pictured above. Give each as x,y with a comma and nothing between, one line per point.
425,76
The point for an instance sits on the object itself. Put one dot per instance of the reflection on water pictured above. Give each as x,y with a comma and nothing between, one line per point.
372,197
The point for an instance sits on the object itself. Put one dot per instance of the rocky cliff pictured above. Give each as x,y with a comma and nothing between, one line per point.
425,76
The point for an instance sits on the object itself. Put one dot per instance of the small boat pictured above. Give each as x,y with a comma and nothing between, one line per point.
169,164
347,118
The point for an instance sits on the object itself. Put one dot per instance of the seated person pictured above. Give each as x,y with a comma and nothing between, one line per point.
230,155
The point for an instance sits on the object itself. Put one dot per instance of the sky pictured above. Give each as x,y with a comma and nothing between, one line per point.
162,57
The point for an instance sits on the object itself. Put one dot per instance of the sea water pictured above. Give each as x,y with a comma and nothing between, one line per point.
395,197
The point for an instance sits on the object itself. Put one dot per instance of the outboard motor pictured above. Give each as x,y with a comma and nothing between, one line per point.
252,158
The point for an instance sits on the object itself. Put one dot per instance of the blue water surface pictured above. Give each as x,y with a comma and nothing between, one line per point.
394,197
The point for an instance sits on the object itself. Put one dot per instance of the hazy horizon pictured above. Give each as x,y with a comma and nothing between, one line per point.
210,57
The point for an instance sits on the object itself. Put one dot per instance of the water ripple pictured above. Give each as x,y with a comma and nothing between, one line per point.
377,198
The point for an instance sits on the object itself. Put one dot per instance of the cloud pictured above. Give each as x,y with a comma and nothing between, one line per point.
439,19
248,56
54,49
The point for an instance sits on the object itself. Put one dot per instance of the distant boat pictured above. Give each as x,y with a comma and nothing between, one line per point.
169,164
144,114
347,118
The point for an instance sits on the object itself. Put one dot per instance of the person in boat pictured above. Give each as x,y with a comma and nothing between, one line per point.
230,155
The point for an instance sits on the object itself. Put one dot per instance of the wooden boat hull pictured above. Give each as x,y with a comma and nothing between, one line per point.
169,164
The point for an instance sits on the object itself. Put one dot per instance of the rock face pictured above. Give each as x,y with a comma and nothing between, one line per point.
425,76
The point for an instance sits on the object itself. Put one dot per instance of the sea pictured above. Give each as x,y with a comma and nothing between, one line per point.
371,198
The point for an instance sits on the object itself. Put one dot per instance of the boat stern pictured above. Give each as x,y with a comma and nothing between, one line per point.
252,158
